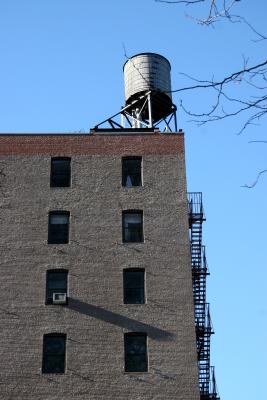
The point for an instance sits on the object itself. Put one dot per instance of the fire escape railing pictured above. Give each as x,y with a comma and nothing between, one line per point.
203,324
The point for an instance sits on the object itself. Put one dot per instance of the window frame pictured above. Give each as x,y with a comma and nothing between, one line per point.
124,170
124,228
53,173
145,354
50,239
45,369
141,288
48,300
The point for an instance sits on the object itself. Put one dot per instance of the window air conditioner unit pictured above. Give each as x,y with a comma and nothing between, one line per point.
59,298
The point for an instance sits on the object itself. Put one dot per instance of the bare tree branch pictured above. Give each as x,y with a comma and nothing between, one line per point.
256,181
216,9
254,77
258,141
239,18
204,84
226,103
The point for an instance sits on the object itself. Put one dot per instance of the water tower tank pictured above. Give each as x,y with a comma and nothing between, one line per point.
149,72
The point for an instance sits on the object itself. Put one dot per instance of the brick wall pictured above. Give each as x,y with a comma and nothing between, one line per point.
90,144
96,318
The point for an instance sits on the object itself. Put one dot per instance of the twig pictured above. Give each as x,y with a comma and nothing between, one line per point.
256,181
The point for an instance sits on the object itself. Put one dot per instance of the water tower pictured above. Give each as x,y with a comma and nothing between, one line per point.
148,100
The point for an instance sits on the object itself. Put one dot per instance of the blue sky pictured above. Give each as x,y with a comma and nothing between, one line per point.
61,71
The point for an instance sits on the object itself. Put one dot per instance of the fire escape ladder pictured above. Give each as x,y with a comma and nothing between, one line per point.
203,324
203,333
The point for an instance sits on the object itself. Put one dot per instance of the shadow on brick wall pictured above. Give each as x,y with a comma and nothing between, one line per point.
118,319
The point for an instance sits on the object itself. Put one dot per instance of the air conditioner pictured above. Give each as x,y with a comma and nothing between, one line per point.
59,298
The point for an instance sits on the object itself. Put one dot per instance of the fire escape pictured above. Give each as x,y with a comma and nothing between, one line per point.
203,324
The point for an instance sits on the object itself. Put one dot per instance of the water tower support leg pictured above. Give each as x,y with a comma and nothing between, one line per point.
149,111
122,121
175,121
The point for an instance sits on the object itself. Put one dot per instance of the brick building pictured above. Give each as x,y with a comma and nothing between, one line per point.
128,286
97,300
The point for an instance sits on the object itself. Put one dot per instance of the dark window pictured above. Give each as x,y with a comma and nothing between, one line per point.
133,285
54,349
132,226
60,172
131,171
56,282
58,229
135,352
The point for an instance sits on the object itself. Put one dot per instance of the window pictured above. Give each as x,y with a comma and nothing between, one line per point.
60,172
133,286
132,226
56,282
135,345
131,171
54,349
58,229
